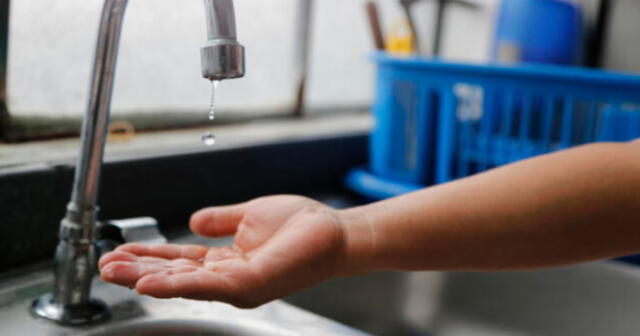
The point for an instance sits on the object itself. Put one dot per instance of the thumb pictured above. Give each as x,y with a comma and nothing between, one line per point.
217,221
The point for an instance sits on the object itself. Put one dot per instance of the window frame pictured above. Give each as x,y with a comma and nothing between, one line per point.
4,43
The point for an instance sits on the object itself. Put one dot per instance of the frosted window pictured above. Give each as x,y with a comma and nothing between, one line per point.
51,50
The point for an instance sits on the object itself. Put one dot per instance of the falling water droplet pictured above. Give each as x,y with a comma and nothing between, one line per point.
208,139
212,103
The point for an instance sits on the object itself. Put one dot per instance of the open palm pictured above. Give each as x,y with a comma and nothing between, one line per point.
282,244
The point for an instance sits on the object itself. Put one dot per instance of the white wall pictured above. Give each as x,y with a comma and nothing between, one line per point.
623,37
51,47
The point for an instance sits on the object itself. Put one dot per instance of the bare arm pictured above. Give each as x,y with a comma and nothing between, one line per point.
572,206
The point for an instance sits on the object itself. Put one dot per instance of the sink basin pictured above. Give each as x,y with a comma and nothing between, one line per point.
188,327
601,298
140,315
173,328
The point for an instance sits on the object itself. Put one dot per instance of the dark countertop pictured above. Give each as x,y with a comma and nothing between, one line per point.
169,188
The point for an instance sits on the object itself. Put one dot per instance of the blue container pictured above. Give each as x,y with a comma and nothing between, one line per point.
620,123
438,121
402,143
538,31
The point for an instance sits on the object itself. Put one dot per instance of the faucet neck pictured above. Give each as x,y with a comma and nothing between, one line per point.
76,256
222,56
96,120
221,21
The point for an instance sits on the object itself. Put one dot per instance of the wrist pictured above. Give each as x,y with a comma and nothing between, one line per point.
359,241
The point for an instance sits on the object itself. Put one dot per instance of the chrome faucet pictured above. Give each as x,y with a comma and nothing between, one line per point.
70,303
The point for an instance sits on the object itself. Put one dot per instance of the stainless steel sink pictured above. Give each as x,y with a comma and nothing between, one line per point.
600,298
138,315
174,328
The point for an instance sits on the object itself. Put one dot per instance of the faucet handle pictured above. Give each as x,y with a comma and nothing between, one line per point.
139,229
130,230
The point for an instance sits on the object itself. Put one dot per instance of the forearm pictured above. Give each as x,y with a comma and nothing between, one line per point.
577,205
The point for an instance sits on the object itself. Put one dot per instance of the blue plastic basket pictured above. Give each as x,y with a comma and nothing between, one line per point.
438,121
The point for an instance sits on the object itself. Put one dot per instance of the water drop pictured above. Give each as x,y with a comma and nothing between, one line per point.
212,103
208,139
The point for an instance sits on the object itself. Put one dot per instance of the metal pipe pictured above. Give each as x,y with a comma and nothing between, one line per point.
75,259
222,56
220,24
77,227
95,123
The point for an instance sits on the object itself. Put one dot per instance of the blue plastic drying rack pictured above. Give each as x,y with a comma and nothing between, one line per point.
438,121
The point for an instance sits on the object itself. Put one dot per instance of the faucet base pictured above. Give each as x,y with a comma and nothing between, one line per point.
93,311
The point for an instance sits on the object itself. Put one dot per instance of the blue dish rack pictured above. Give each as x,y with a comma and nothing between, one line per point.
438,121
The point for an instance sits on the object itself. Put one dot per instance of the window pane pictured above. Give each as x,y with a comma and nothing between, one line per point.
51,52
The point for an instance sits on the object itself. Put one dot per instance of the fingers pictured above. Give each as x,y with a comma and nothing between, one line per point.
127,272
200,285
126,256
116,256
217,221
166,251
220,276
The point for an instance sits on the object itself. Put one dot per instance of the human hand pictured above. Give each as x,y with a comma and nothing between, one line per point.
282,244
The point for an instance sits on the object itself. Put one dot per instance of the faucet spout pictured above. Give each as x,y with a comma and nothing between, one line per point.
222,56
76,254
